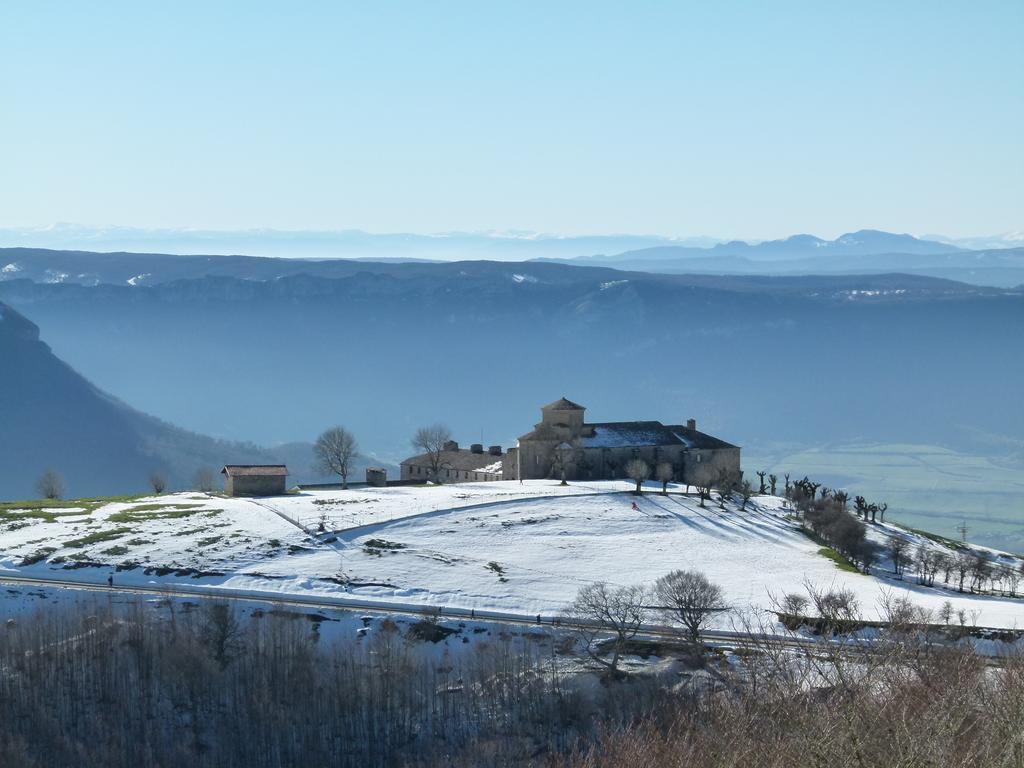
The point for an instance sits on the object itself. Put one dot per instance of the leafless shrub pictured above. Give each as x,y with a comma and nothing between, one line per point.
158,482
50,485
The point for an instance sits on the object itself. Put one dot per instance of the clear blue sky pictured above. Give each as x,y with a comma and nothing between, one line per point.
730,119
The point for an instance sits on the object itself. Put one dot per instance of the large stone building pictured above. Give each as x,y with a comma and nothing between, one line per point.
562,440
456,465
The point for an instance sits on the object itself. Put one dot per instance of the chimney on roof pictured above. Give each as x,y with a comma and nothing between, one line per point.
494,450
691,424
451,445
476,448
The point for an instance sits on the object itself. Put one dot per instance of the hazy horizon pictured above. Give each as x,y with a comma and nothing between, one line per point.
750,123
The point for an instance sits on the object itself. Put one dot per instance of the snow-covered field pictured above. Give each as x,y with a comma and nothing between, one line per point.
511,547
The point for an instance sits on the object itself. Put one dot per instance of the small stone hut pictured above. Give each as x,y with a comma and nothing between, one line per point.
254,479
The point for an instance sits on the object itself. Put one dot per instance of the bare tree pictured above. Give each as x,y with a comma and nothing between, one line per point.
205,480
838,608
638,470
899,551
689,599
50,485
222,633
746,491
963,562
761,475
335,450
773,481
601,607
726,483
158,481
794,604
431,440
702,482
1010,576
664,472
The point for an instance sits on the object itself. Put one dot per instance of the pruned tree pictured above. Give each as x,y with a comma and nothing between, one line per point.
664,473
746,492
773,482
431,440
638,470
205,480
725,482
702,482
600,608
50,485
688,599
335,450
158,481
761,475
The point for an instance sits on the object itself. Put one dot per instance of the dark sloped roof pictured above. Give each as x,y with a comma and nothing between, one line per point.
626,434
615,434
694,439
254,470
461,460
561,404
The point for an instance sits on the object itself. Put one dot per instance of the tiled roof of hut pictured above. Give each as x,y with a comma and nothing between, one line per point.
254,470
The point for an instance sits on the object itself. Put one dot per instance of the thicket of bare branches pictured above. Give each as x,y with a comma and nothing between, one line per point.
865,708
212,687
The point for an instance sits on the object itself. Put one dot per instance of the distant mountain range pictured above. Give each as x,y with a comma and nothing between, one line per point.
384,348
350,244
863,252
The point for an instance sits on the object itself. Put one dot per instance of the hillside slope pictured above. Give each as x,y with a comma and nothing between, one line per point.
53,417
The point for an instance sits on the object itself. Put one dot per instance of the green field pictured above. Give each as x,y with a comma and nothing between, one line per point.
926,487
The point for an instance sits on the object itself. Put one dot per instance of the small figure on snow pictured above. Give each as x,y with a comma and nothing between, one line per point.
635,507
110,580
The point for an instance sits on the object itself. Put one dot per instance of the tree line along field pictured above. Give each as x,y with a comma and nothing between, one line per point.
927,486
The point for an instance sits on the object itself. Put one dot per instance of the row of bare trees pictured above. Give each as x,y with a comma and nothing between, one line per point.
684,599
52,487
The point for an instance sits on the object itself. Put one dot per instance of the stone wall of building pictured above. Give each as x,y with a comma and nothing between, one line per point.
254,485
